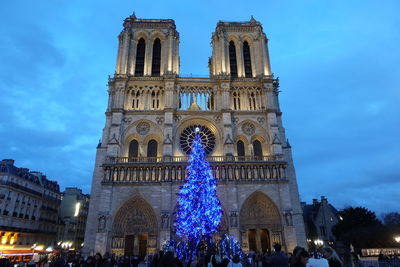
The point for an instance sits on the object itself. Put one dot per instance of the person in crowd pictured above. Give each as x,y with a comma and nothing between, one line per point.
299,258
89,262
168,260
333,259
278,258
98,260
235,262
316,260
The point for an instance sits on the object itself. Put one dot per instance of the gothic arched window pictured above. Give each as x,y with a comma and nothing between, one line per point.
140,52
232,59
247,60
240,149
152,148
135,100
257,149
133,149
156,64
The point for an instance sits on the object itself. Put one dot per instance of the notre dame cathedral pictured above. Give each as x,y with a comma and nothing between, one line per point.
151,118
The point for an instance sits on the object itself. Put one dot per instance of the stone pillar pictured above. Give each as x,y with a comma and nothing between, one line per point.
119,55
170,50
267,66
124,54
254,57
148,58
222,52
176,56
239,59
132,57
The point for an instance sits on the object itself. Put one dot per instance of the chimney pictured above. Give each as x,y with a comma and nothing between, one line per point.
324,199
315,201
8,162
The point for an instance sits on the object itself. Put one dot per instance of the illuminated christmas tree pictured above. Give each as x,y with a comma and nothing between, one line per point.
199,210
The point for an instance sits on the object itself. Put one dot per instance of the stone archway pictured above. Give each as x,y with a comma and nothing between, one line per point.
260,223
134,229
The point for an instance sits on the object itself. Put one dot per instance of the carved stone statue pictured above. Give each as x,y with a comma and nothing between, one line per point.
233,219
165,221
102,223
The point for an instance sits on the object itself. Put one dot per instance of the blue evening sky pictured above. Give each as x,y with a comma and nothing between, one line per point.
338,63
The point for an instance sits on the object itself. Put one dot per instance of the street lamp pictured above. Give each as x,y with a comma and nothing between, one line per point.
318,242
397,238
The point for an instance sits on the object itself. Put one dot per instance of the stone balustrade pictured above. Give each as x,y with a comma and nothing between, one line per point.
153,170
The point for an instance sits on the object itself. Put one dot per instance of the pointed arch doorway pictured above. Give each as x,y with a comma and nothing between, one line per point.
134,230
260,223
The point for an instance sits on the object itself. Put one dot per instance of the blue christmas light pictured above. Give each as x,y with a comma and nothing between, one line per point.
199,210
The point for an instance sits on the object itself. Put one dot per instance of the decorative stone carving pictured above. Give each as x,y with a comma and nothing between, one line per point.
228,139
143,128
165,221
167,140
248,128
217,118
234,219
288,217
113,140
102,224
235,120
259,210
135,216
160,120
261,120
127,120
177,118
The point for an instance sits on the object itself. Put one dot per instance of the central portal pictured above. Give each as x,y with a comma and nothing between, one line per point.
134,229
136,245
259,240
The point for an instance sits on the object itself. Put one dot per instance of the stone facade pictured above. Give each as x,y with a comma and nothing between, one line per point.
151,114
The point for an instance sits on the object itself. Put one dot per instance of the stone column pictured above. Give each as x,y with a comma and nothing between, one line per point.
267,66
239,59
254,57
170,50
222,52
176,56
148,60
125,48
119,55
132,57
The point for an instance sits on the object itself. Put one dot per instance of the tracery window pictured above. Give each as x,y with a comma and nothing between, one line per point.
140,54
257,149
133,149
206,135
155,100
247,60
240,149
152,148
236,100
135,100
252,101
156,64
232,59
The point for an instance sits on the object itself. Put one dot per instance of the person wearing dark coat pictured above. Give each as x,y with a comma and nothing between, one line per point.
278,259
299,258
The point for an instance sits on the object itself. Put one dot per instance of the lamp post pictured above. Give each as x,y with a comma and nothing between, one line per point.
397,239
318,242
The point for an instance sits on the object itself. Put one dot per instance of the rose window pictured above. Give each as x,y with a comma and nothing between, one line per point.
206,136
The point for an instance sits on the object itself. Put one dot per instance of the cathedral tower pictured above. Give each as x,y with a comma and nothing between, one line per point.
151,118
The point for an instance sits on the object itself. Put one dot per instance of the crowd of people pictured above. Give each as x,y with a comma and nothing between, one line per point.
300,257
